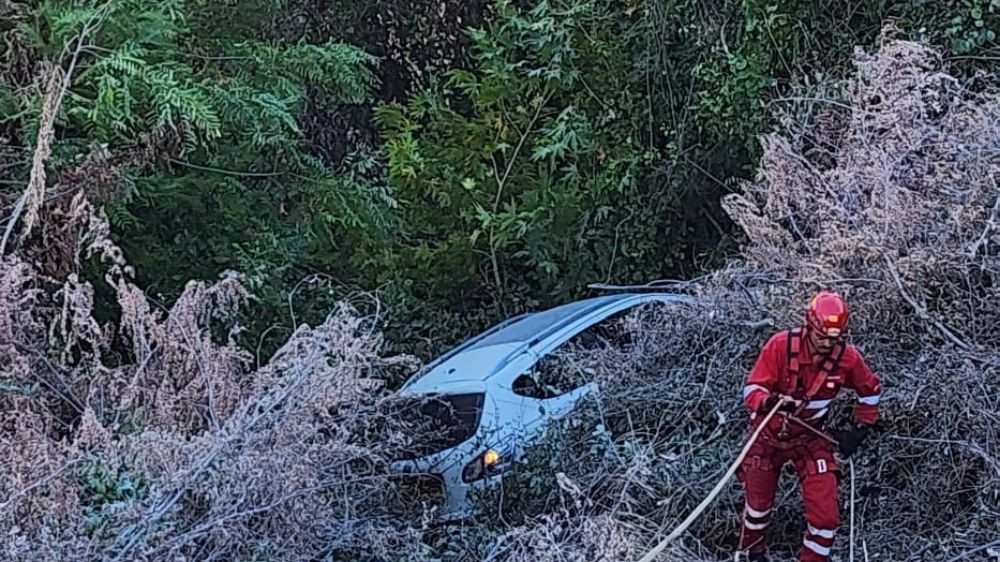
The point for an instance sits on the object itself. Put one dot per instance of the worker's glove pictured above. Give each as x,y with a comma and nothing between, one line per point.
849,440
772,400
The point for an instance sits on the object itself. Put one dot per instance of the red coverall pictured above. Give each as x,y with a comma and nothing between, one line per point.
811,455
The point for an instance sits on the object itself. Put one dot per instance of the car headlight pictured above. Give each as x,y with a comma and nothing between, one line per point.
490,462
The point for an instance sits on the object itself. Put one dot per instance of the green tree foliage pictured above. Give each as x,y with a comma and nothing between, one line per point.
198,118
751,50
527,176
584,141
571,141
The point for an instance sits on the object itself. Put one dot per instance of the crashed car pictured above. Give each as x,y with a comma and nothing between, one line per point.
492,396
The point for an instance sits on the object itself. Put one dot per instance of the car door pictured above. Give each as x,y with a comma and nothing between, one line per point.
530,405
557,398
545,391
517,412
578,333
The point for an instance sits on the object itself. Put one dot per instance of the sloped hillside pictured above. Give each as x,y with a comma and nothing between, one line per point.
146,433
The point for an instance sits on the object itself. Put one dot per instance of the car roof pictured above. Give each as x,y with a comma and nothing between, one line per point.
483,355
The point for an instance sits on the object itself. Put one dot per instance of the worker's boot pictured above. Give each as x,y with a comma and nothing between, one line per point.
757,557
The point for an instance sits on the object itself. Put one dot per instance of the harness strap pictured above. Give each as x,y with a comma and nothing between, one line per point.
829,365
794,349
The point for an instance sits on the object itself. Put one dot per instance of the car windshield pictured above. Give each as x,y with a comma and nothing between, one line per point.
435,422
531,325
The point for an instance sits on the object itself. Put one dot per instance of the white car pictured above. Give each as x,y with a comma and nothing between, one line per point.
491,396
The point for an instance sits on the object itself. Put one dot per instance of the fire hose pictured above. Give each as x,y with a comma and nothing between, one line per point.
679,530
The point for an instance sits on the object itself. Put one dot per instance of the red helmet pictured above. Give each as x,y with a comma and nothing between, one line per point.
828,314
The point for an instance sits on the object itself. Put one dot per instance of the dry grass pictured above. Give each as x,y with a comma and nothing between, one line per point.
157,439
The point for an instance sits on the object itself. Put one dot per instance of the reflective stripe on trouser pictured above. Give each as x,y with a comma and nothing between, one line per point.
818,541
819,494
816,468
760,481
754,520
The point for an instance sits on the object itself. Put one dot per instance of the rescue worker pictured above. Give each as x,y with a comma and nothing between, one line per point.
803,369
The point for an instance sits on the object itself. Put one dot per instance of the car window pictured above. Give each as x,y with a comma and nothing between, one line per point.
434,422
569,366
532,324
548,378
